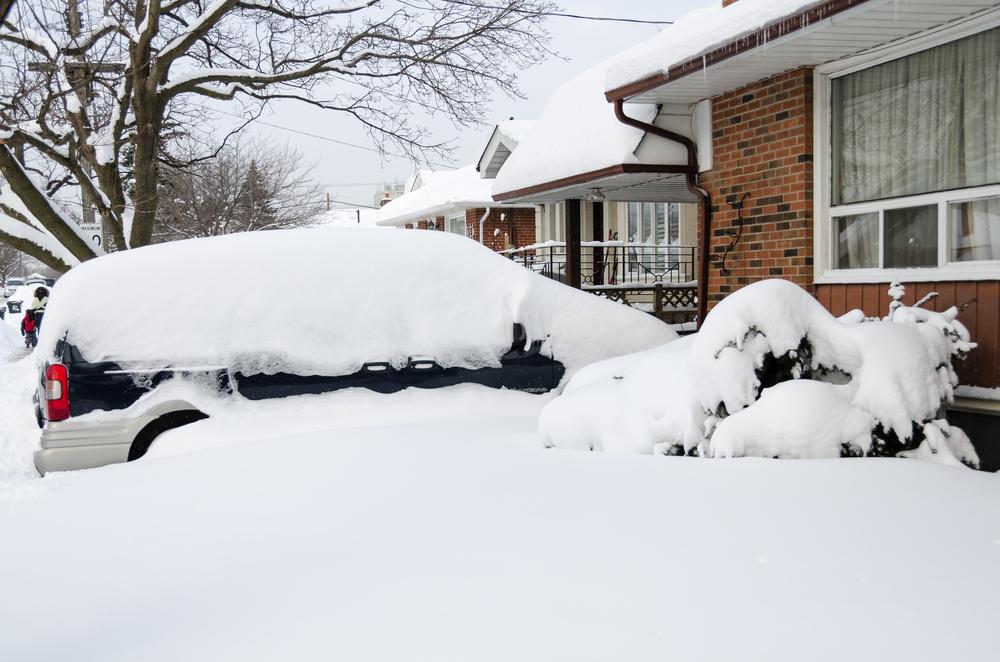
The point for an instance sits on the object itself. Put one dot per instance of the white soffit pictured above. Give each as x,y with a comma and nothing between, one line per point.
866,27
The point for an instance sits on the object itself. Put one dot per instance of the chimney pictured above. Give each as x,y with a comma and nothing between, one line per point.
385,198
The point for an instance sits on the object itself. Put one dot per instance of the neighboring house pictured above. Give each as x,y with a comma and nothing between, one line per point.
617,216
460,201
840,144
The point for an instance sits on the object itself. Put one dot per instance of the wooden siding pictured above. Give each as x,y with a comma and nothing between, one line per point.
980,312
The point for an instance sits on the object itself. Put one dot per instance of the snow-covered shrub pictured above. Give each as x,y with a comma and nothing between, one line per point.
628,404
802,418
773,373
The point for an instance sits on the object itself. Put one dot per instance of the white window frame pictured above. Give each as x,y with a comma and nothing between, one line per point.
456,218
824,246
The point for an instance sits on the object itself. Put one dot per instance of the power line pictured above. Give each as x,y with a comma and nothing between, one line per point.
556,14
331,140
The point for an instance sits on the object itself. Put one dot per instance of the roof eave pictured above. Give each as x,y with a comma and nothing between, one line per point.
524,194
781,28
441,210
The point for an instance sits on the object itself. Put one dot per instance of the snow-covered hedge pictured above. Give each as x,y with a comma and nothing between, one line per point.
772,373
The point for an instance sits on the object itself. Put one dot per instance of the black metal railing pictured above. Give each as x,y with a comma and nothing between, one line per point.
613,264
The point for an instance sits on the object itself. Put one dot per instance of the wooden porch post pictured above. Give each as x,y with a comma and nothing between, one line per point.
598,213
573,243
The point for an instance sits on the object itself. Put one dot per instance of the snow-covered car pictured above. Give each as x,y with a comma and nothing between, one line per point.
124,357
36,279
11,285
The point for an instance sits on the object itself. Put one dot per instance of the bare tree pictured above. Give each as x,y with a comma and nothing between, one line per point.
246,187
97,98
9,259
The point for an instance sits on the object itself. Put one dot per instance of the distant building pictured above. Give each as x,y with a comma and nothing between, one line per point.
387,192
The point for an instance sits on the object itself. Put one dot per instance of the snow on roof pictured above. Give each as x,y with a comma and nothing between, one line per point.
348,217
444,190
514,131
577,132
503,141
694,34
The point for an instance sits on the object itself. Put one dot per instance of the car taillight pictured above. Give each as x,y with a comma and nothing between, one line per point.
57,392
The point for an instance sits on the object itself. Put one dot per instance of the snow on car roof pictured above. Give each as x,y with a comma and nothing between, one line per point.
346,297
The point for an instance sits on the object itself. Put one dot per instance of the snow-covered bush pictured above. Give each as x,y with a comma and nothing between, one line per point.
772,373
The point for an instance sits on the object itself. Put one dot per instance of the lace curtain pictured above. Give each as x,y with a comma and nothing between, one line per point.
926,122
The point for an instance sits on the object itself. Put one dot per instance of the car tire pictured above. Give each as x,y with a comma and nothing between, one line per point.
154,429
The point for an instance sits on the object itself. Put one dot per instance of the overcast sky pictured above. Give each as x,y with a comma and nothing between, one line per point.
351,175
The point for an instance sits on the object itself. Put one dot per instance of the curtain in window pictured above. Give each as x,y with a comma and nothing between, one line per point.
857,241
975,230
926,122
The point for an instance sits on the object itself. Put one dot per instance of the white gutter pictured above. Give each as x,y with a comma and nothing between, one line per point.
481,221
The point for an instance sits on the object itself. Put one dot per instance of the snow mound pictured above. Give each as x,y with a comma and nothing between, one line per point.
772,373
9,340
796,419
325,301
627,404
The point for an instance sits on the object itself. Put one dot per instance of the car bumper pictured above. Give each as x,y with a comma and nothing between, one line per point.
71,445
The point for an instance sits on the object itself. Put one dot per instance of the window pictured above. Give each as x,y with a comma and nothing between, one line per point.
923,123
914,168
653,223
456,224
975,230
857,241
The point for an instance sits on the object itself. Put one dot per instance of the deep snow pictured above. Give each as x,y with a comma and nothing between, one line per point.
430,525
439,541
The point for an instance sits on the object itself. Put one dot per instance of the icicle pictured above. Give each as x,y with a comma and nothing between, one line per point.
704,67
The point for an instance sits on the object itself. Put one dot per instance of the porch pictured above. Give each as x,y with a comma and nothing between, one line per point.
655,278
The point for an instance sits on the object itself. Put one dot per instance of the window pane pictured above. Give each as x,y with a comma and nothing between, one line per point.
647,223
857,241
660,232
926,122
633,221
911,237
975,230
674,224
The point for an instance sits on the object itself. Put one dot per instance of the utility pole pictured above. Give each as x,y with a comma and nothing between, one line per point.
79,72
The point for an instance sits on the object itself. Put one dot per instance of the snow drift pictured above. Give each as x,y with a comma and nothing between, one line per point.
772,373
325,301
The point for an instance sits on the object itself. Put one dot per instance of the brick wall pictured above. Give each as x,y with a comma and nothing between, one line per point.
517,220
762,146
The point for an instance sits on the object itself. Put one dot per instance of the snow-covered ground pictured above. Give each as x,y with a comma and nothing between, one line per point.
432,525
452,539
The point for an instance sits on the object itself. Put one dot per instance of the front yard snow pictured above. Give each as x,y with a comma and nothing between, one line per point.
773,374
439,541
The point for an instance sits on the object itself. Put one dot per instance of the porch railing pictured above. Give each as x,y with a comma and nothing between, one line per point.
612,264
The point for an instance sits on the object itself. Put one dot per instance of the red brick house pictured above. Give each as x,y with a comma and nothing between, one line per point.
840,144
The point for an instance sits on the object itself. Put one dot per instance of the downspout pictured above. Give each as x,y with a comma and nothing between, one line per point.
691,180
481,222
